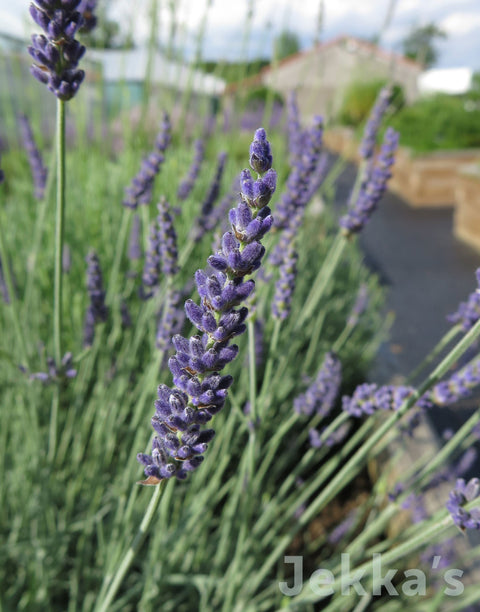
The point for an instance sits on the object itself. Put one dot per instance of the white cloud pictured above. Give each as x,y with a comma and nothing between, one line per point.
461,23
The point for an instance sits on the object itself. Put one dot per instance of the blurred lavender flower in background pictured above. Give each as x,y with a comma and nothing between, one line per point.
461,494
140,190
294,129
204,221
369,140
321,394
3,285
87,10
54,373
200,391
152,264
372,188
369,397
66,259
135,250
468,312
57,54
360,305
39,170
285,286
168,239
188,182
97,311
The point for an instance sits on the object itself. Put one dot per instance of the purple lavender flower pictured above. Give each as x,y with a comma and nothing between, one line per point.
459,386
170,320
97,311
54,373
367,146
141,188
373,187
152,265
188,182
167,239
295,198
368,398
57,54
321,394
343,528
294,130
66,259
461,494
3,286
205,220
87,10
260,155
135,250
360,305
38,169
285,286
468,312
200,390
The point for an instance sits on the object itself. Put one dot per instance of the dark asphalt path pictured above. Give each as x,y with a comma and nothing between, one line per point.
427,272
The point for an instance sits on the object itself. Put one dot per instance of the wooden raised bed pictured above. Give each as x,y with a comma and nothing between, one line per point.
466,220
429,179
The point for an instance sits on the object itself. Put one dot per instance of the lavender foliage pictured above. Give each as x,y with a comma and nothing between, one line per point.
468,312
320,396
141,188
97,311
359,307
57,53
200,390
3,285
188,182
37,167
372,188
462,493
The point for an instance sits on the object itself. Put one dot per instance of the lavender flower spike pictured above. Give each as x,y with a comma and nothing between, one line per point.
285,286
57,53
372,188
468,312
188,182
205,220
97,311
461,494
368,398
200,390
367,146
87,9
141,187
168,239
321,394
38,169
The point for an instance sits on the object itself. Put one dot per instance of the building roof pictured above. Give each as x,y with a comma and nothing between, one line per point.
132,66
445,80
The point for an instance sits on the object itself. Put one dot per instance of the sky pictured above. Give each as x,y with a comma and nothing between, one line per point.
227,35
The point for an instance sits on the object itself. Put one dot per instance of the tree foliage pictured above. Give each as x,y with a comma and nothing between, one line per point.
285,44
419,44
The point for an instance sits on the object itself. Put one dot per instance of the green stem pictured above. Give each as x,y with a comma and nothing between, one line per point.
252,370
323,278
132,551
14,310
272,354
352,467
59,232
447,338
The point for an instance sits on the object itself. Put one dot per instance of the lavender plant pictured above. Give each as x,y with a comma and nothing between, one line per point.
286,471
